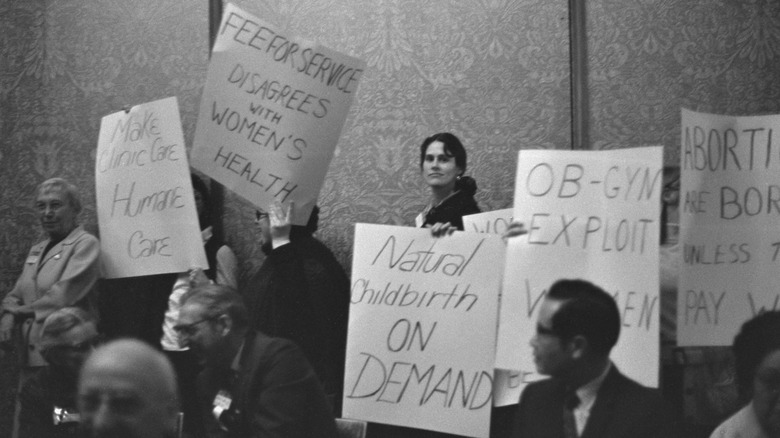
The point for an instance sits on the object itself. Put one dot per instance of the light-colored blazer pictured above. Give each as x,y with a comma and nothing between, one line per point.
66,276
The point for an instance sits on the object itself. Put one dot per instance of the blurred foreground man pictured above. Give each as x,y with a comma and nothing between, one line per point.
252,385
127,389
586,396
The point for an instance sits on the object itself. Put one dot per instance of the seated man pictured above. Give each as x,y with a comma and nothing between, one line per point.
252,384
128,389
586,396
48,398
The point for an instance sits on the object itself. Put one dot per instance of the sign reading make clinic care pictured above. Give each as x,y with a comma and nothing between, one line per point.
592,215
729,224
422,327
146,209
271,113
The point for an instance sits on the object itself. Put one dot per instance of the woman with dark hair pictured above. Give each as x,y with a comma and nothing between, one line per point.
757,362
443,164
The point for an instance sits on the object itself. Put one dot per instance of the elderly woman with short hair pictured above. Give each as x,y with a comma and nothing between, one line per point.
58,272
61,271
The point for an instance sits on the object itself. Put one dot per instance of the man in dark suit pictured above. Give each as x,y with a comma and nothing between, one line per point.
251,384
586,396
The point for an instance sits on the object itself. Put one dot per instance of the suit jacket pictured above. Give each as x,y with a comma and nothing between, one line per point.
65,276
274,393
623,409
301,293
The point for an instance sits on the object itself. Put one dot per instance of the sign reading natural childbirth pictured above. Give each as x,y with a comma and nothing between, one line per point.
422,327
729,217
145,205
271,113
592,215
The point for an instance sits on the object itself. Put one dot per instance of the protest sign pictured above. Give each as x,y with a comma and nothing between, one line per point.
729,217
592,215
506,383
422,327
492,222
145,205
271,113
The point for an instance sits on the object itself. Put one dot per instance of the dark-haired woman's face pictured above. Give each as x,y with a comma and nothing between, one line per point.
766,389
439,168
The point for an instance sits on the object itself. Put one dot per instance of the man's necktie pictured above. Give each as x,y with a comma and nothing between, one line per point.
569,423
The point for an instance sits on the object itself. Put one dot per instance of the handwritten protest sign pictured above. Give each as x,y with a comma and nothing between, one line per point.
493,222
729,217
506,383
271,113
592,215
145,205
422,327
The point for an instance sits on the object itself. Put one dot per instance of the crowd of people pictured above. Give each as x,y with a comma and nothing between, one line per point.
193,354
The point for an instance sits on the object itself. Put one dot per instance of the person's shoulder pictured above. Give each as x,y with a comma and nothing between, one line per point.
741,423
540,388
270,346
279,354
80,236
309,242
630,392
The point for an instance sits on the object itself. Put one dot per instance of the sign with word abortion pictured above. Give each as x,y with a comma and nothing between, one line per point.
422,329
592,215
145,205
729,217
271,113
493,222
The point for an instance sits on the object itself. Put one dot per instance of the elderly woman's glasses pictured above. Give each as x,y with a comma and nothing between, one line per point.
259,215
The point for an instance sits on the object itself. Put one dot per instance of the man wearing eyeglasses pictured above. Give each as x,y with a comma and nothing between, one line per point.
251,384
586,395
48,399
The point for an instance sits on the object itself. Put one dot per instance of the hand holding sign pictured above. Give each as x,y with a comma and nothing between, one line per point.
280,219
442,229
515,229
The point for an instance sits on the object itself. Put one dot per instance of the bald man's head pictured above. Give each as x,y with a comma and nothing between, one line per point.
127,389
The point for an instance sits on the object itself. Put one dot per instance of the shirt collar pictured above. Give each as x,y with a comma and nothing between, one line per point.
587,392
236,364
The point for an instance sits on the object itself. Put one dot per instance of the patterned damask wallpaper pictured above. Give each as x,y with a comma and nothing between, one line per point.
495,72
649,58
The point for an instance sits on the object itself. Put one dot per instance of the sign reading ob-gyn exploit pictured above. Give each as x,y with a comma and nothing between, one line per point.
271,113
145,205
729,222
592,215
422,327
